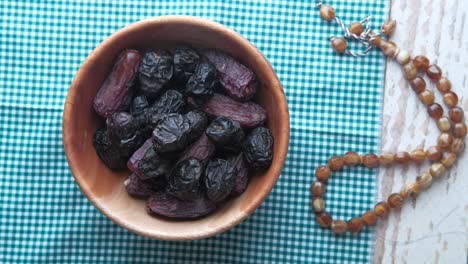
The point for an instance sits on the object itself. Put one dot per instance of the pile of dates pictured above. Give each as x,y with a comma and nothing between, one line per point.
184,124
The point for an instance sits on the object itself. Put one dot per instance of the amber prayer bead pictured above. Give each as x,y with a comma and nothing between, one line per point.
421,62
351,158
402,157
424,180
387,158
336,163
434,153
370,160
418,155
322,173
318,204
459,130
339,45
369,218
434,72
381,209
418,84
435,110
356,28
355,225
395,200
327,12
444,85
339,226
456,114
318,188
324,219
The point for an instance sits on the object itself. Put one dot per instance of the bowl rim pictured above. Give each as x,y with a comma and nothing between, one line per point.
155,21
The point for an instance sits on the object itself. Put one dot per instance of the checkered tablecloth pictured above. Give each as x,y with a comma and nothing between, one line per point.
335,105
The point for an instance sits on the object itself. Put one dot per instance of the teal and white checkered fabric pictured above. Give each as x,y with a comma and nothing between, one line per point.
335,104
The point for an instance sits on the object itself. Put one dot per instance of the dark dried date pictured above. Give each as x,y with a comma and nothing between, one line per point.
147,164
249,114
142,189
226,133
258,148
184,181
237,81
121,126
171,134
198,122
115,94
202,149
155,72
174,132
186,60
202,83
108,152
171,101
241,178
128,146
139,105
139,110
163,204
219,179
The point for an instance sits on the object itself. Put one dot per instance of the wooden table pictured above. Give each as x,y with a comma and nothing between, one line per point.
433,228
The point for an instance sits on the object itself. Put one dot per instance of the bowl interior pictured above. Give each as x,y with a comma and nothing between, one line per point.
104,187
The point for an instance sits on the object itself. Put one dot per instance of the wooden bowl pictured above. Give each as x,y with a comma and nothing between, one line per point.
104,187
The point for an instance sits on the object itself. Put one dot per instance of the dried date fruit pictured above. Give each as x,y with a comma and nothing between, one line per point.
171,134
186,60
219,179
147,164
226,133
174,132
171,101
202,149
202,83
237,80
156,184
139,110
129,146
184,181
135,187
241,178
194,103
258,148
108,152
139,105
145,128
156,70
198,122
249,114
142,189
163,204
115,94
115,154
121,126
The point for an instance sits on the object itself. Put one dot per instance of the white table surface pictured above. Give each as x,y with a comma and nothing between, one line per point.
433,228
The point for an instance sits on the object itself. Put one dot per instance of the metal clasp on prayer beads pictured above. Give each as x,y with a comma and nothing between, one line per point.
366,38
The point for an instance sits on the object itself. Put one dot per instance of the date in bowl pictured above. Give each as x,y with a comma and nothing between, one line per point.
105,188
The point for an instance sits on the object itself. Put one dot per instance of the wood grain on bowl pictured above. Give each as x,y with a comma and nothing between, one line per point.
104,187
